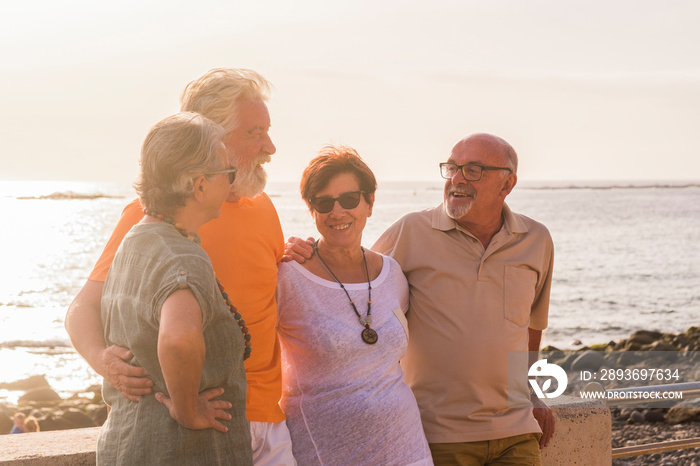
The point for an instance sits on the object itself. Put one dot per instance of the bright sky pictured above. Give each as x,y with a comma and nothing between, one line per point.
582,89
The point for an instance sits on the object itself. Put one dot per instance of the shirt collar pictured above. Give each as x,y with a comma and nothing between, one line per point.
511,222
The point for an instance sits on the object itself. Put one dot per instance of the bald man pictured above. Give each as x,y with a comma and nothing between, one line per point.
479,277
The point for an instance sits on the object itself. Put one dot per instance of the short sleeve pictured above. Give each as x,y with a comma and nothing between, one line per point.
540,309
197,276
387,241
401,284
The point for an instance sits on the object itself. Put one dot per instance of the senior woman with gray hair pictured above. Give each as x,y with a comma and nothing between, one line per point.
161,300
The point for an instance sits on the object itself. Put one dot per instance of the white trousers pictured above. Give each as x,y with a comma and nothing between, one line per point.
272,445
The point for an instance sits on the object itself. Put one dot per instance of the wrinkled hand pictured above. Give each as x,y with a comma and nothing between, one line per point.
208,411
545,418
298,249
131,381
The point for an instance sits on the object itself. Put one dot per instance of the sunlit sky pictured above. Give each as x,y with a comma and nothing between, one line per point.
582,89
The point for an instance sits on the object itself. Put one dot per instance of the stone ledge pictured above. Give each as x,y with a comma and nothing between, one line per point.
582,433
74,447
583,436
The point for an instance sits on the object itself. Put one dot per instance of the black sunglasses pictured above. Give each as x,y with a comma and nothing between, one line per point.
325,204
231,174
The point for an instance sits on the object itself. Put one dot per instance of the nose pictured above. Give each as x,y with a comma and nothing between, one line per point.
338,210
268,145
458,178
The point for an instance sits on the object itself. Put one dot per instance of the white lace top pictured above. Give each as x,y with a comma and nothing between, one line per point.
345,400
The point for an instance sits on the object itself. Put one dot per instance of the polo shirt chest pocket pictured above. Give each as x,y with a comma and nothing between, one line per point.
519,290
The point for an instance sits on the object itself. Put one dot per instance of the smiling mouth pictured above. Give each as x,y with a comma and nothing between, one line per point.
345,226
460,195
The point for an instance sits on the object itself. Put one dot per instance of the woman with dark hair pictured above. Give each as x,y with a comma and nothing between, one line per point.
342,330
162,301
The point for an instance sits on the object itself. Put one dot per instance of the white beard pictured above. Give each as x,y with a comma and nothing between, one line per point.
250,182
457,211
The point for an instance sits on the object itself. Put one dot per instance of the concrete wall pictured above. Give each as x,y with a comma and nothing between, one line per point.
583,436
55,448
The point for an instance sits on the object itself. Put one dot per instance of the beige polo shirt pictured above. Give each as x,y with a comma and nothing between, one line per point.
468,309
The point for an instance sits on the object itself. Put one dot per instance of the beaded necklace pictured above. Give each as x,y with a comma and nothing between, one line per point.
369,335
194,237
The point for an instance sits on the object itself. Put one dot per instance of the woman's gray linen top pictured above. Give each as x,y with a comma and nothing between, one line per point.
153,261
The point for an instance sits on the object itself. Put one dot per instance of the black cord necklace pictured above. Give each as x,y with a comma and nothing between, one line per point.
369,335
194,237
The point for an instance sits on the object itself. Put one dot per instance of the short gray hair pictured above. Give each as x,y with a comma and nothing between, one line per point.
177,150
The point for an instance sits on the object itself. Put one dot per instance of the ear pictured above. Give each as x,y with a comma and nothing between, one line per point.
200,187
509,183
371,204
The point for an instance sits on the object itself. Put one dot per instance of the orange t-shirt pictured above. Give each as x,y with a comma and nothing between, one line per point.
245,244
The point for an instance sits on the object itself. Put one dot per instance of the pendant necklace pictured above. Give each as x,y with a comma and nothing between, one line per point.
369,335
194,237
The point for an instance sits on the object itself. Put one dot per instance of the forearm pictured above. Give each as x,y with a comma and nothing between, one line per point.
83,323
181,358
541,412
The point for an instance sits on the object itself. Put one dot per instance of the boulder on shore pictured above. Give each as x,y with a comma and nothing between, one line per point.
6,422
35,381
70,418
685,411
41,394
589,360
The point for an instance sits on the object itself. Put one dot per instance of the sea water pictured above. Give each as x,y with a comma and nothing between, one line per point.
627,257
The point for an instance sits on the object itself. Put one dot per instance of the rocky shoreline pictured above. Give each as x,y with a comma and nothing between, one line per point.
633,426
51,411
630,426
641,427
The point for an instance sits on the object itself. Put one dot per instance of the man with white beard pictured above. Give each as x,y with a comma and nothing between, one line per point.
245,244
